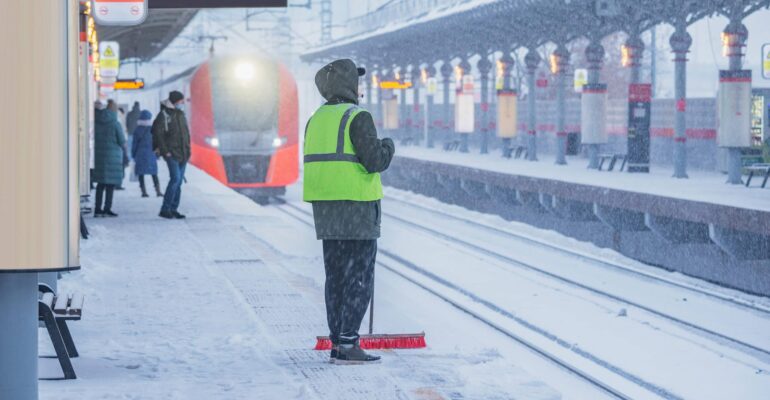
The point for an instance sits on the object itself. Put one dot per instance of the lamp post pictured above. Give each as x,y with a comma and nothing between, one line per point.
595,57
430,74
734,39
464,69
680,42
446,75
559,66
532,61
484,66
505,67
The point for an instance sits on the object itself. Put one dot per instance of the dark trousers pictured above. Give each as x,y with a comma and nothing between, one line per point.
100,189
155,182
349,284
174,189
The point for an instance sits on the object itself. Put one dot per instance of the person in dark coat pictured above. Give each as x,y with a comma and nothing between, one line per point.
172,141
349,228
145,160
132,119
109,166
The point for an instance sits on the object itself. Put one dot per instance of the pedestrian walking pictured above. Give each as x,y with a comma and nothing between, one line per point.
145,159
109,163
171,137
342,161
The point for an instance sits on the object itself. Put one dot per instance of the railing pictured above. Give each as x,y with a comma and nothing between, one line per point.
393,11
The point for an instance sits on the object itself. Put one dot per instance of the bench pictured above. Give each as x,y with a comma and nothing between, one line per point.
54,311
760,168
451,145
514,151
613,158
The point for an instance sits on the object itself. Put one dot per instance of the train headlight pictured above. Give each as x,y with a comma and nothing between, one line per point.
212,141
244,71
279,141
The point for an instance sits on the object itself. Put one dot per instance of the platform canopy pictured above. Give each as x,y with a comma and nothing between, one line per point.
147,40
464,28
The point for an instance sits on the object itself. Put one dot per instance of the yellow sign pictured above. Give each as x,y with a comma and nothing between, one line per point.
581,79
395,85
766,60
131,84
109,58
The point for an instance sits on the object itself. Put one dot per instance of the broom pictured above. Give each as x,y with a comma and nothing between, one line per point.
379,341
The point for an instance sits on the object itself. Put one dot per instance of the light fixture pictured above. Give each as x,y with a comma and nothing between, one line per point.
212,141
279,141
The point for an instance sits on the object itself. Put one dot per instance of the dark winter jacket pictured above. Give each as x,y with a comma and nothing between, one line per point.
109,143
351,220
145,160
171,133
132,118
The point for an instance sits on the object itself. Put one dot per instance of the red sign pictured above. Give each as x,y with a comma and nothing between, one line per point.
681,105
541,83
639,92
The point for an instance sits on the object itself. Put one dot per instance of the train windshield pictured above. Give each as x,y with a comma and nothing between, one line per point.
245,103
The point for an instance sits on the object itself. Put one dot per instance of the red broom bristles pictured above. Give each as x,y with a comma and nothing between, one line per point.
380,342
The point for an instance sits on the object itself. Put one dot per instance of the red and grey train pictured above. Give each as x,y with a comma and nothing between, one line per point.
242,112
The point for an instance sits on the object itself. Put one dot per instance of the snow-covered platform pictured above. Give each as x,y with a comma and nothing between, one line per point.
227,303
701,186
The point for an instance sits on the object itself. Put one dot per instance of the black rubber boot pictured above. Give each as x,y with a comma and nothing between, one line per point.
333,355
157,190
353,354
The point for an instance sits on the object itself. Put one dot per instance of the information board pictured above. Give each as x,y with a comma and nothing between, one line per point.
593,114
507,113
639,97
734,109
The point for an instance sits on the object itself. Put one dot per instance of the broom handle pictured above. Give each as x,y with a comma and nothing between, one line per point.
371,307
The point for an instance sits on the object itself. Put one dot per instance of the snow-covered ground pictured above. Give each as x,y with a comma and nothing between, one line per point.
702,186
227,304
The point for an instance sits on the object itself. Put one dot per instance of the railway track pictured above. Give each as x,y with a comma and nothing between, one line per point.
614,381
744,303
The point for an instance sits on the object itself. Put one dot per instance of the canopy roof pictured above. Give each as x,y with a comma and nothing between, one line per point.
469,27
147,40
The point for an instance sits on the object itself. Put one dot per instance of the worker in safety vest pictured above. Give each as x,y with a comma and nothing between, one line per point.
342,164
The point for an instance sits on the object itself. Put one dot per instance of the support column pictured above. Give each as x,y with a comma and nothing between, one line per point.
38,231
430,72
736,34
18,336
505,69
484,66
560,65
532,60
465,68
368,86
446,74
680,42
403,117
380,104
595,57
415,79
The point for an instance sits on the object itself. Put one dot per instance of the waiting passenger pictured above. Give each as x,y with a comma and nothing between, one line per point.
145,160
172,141
109,166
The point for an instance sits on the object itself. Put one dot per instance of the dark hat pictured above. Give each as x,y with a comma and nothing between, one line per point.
175,96
361,71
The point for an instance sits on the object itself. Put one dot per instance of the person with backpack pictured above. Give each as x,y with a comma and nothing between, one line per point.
171,137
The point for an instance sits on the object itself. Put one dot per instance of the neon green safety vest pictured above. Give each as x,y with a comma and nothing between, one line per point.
332,168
